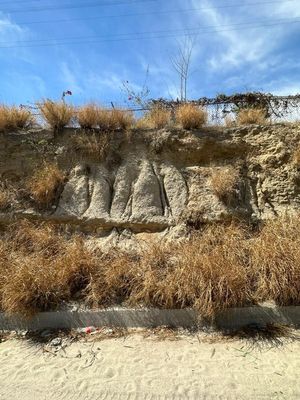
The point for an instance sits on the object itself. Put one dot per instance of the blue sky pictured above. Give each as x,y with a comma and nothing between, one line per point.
85,46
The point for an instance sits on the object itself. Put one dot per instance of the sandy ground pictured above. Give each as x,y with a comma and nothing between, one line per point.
139,367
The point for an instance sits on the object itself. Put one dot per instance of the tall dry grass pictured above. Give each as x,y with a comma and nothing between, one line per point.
88,116
44,183
121,119
224,183
223,266
250,116
189,116
157,117
15,118
58,115
275,261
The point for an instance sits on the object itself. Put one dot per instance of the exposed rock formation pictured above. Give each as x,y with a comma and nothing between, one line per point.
162,180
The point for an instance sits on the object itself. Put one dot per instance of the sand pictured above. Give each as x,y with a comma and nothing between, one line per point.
135,367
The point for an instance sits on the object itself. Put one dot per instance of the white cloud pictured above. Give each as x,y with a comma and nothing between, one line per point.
238,46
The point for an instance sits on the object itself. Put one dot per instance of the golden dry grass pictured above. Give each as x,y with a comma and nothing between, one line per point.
44,183
15,118
224,182
58,115
224,266
104,119
158,118
250,116
121,119
189,116
88,116
275,261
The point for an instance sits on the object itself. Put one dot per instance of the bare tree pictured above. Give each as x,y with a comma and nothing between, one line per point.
181,64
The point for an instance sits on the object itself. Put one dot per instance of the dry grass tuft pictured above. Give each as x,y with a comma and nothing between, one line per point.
57,115
104,119
93,146
14,119
249,116
275,261
189,116
120,119
44,183
224,183
229,121
88,116
158,117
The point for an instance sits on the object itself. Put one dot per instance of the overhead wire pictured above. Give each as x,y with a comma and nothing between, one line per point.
158,34
88,5
136,14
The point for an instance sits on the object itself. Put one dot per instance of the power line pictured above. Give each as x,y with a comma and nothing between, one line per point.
117,38
73,6
88,5
140,14
185,30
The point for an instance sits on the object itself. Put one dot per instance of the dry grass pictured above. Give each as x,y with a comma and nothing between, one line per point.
224,183
14,119
57,115
7,196
44,183
229,121
224,266
249,116
189,116
120,119
104,119
158,118
93,146
87,116
275,260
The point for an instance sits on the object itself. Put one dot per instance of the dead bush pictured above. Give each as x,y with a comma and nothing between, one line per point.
120,119
104,119
112,281
250,116
58,115
189,116
275,261
224,184
28,238
44,183
88,116
32,284
14,118
158,117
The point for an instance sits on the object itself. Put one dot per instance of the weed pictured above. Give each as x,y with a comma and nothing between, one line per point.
249,116
44,183
14,119
189,116
57,115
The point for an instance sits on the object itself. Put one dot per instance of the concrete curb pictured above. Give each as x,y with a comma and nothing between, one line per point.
233,318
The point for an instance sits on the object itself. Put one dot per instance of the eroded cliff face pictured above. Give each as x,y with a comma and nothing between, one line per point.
158,183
